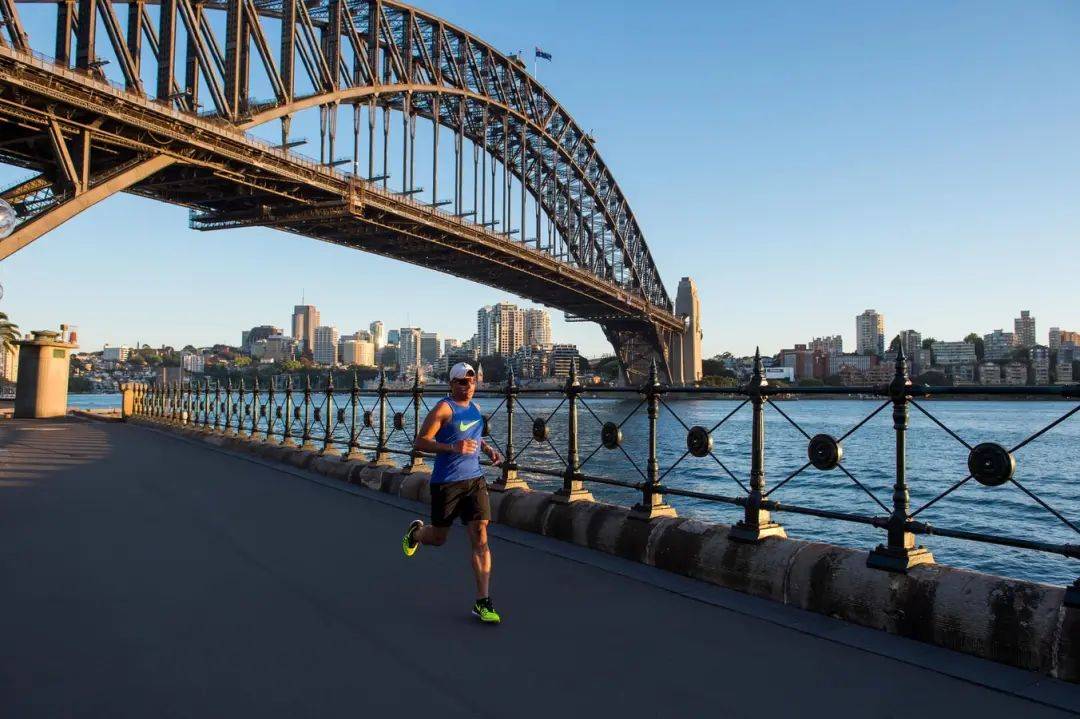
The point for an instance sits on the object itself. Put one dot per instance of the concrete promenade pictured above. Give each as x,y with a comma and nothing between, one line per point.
147,576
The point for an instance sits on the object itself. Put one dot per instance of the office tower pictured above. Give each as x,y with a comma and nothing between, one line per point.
393,337
430,347
304,321
870,333
409,349
378,335
325,342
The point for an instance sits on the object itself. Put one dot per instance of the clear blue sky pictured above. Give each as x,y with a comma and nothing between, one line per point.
803,161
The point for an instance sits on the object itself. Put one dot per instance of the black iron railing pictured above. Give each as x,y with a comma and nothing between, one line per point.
378,423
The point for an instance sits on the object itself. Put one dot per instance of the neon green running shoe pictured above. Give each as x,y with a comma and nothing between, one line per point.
486,613
407,544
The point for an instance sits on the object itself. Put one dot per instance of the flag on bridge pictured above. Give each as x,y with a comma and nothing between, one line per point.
543,55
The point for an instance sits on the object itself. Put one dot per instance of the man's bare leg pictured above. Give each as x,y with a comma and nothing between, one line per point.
481,556
431,535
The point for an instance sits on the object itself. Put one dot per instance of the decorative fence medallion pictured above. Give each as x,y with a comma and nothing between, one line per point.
368,420
611,435
341,415
247,410
824,452
262,410
399,420
699,441
539,429
278,413
991,464
487,431
318,414
296,413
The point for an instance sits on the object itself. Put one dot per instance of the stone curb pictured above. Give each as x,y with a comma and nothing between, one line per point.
1015,622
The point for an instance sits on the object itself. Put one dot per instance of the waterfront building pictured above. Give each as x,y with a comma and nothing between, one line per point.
1040,364
537,327
1064,373
1054,339
393,337
501,329
859,362
953,353
9,363
924,360
278,348
325,340
256,334
989,373
562,357
378,335
786,374
1025,329
850,375
193,362
998,345
430,347
829,345
800,359
457,354
1068,351
305,319
408,349
1015,373
911,341
116,354
449,343
961,373
531,362
870,333
357,352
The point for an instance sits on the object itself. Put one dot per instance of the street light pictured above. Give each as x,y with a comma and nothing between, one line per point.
7,219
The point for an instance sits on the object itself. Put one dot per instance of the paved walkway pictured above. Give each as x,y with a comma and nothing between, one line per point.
144,576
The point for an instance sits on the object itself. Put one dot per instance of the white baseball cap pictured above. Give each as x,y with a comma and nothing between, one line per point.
462,370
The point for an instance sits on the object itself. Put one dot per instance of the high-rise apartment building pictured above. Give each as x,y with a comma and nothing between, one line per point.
1059,337
305,319
998,345
430,347
501,329
357,352
537,324
393,337
953,353
116,354
1054,339
562,357
1025,329
830,345
408,349
911,341
325,343
378,335
1040,364
870,333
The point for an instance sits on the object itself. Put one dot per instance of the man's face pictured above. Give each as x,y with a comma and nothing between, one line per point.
462,389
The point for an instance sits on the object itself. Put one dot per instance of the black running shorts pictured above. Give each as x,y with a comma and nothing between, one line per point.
467,500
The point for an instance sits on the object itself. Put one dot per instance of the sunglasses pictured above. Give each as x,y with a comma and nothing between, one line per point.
466,380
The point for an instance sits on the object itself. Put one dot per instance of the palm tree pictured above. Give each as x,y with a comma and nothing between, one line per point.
9,332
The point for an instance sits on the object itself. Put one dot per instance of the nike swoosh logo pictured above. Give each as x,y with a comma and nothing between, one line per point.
463,427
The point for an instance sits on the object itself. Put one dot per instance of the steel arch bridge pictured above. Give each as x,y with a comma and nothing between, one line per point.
158,101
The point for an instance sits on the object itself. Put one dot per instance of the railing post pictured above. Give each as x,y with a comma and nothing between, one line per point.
416,459
271,420
900,553
573,489
242,409
509,478
305,437
256,408
756,523
354,452
381,455
652,499
228,406
286,431
328,448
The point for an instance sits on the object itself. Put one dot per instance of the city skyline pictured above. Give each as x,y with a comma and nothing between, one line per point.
939,165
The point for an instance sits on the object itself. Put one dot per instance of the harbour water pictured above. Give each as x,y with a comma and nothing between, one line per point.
1049,467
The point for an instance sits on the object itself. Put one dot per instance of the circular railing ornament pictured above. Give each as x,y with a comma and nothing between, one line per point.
262,410
399,420
368,419
7,219
296,413
222,406
611,435
277,412
991,464
486,432
699,441
540,430
824,452
318,414
247,410
340,415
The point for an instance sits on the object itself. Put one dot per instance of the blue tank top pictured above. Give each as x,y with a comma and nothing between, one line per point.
466,423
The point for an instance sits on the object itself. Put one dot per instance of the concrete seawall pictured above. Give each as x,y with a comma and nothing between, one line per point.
1016,622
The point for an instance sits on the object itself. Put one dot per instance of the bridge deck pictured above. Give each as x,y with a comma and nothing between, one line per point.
145,576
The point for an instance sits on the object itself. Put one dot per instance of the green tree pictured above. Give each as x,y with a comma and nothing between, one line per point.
291,366
933,377
894,346
928,343
810,382
79,385
834,380
9,332
980,345
241,362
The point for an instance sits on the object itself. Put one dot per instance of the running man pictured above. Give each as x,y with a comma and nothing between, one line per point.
453,431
